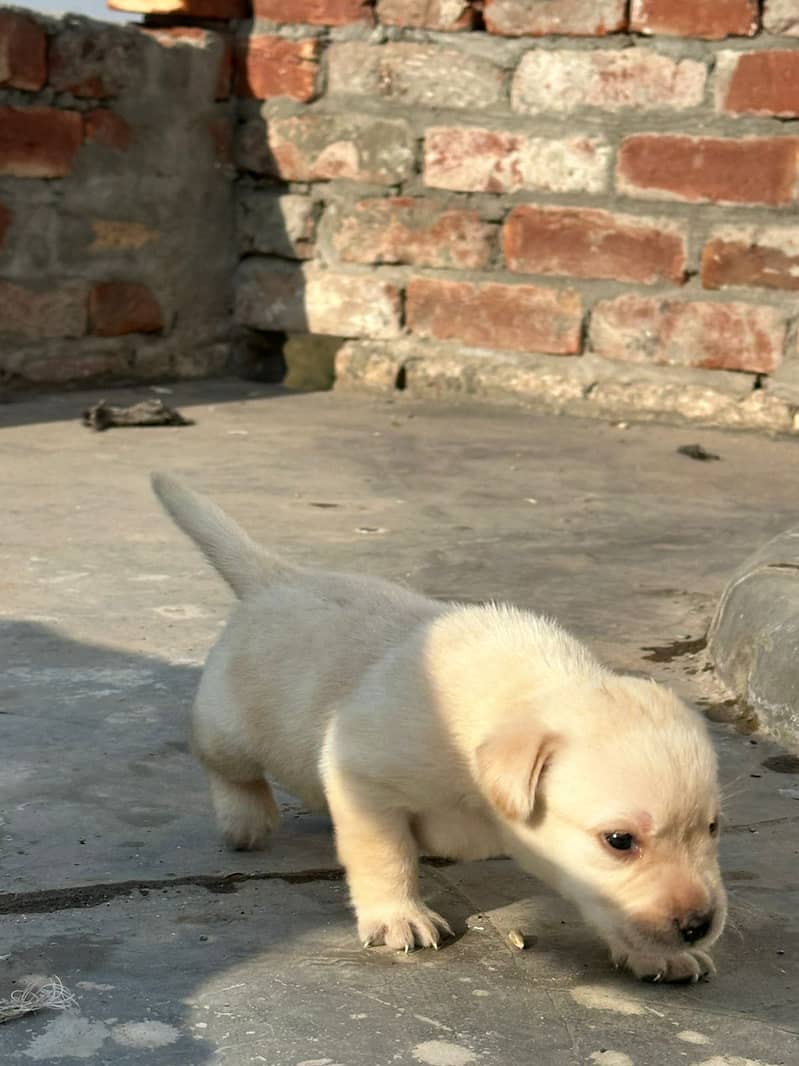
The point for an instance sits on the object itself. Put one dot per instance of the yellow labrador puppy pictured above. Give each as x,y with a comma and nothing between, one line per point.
457,731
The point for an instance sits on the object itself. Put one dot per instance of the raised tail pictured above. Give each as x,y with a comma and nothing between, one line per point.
245,565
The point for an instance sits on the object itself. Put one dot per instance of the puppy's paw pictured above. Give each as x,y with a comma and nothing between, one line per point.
246,814
688,967
403,927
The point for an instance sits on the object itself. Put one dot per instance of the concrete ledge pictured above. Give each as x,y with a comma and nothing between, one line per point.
585,386
754,637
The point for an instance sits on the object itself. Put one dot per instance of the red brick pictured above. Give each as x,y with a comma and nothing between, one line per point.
322,147
315,12
268,66
5,222
781,17
416,231
441,15
51,310
518,318
752,170
554,80
572,18
760,257
584,243
94,61
758,83
38,142
23,52
203,9
102,126
710,19
481,160
716,336
118,307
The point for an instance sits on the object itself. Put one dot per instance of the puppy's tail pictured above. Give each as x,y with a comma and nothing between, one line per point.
245,565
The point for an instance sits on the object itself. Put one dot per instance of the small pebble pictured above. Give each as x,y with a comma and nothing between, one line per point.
516,938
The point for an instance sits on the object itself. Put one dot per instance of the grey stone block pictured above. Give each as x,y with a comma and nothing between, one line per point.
754,637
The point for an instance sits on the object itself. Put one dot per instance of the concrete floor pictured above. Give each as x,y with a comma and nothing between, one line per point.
180,953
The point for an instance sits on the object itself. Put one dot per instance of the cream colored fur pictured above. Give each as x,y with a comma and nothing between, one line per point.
458,731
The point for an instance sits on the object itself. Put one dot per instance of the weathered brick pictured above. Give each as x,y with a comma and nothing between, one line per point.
119,307
204,40
315,12
758,83
481,160
269,66
221,130
73,362
23,52
38,142
319,147
407,230
201,9
718,336
781,17
586,243
45,311
275,224
519,318
752,170
573,18
274,295
610,80
5,222
113,235
102,126
759,256
711,19
415,75
632,78
94,61
442,15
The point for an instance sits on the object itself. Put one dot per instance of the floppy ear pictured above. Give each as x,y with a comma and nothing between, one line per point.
509,765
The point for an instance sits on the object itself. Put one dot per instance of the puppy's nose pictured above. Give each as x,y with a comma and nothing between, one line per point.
695,926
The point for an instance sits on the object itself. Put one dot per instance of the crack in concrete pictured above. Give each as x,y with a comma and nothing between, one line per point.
49,900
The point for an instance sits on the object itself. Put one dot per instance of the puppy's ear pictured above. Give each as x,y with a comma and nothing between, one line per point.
509,766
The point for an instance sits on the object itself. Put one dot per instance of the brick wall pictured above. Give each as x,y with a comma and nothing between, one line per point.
588,204
116,202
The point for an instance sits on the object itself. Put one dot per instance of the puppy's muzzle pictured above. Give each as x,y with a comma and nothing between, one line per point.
695,927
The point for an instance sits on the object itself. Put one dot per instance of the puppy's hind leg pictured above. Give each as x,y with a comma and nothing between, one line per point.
246,811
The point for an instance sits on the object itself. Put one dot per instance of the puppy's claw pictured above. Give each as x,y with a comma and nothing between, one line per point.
414,925
689,967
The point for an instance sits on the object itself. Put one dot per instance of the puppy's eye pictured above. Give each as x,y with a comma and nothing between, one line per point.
620,841
714,828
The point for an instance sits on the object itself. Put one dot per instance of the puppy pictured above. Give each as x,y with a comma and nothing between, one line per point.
459,731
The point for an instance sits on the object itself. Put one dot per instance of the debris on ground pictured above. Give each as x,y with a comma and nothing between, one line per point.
516,939
47,995
696,451
104,415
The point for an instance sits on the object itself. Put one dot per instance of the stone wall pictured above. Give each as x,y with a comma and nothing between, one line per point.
116,202
588,204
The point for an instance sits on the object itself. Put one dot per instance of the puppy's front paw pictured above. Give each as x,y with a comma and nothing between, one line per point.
688,967
402,927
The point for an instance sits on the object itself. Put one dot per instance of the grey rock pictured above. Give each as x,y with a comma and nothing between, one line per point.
754,637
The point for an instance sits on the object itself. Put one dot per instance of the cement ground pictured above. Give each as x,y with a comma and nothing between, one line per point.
180,953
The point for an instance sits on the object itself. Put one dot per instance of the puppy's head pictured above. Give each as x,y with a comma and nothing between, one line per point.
614,799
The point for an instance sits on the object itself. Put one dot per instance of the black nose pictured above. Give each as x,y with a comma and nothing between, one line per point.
696,926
